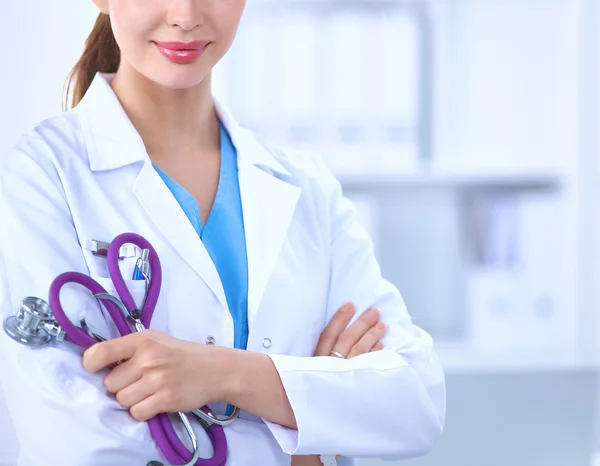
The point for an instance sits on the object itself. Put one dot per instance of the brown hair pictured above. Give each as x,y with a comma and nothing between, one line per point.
101,54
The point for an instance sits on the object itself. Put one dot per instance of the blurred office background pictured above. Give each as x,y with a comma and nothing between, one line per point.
467,132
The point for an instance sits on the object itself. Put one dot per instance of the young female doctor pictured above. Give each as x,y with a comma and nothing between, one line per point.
259,249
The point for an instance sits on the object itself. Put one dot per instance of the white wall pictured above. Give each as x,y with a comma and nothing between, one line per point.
50,35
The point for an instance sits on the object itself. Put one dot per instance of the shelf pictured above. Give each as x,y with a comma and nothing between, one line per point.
514,179
460,358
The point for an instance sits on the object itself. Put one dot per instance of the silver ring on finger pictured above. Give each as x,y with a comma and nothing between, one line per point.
338,355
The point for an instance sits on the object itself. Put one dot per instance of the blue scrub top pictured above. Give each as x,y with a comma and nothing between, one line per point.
223,235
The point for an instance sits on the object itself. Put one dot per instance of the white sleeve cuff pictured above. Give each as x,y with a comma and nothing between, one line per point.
288,439
322,415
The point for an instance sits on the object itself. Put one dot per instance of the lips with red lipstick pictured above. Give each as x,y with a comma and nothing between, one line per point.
182,52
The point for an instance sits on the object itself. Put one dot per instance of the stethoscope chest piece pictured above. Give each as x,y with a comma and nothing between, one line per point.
33,325
36,324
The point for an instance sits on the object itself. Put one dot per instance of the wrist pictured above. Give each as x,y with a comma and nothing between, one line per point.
251,382
232,364
242,367
214,368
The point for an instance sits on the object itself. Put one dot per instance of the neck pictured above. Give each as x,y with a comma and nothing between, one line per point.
173,123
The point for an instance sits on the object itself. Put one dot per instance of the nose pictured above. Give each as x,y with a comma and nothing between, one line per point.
184,14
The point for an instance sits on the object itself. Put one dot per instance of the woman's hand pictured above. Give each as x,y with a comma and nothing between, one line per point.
160,373
363,336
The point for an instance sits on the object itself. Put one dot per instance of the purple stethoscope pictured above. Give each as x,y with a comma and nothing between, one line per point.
37,323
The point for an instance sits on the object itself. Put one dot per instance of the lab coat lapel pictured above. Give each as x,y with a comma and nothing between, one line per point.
268,205
268,201
165,212
114,143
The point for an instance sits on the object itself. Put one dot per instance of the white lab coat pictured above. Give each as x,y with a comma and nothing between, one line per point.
85,175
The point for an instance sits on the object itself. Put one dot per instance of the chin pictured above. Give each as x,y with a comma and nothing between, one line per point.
181,84
184,78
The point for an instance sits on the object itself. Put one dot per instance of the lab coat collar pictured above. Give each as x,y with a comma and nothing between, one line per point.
250,150
268,201
113,141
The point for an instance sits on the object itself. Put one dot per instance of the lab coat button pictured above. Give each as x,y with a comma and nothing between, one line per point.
267,343
210,340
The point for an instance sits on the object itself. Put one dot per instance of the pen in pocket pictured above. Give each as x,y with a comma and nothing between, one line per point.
141,266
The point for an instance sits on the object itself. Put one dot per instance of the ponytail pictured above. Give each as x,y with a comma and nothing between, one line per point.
101,54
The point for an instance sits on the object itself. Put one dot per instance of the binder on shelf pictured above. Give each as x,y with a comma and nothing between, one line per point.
493,303
344,50
395,88
545,320
300,63
341,83
515,298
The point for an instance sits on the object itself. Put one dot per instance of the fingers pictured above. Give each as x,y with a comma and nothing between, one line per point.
134,394
334,329
368,341
123,376
378,347
109,352
356,331
145,409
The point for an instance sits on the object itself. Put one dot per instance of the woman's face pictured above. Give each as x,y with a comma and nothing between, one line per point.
174,43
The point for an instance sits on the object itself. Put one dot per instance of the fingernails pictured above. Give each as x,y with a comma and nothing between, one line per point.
347,308
374,312
88,356
380,326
